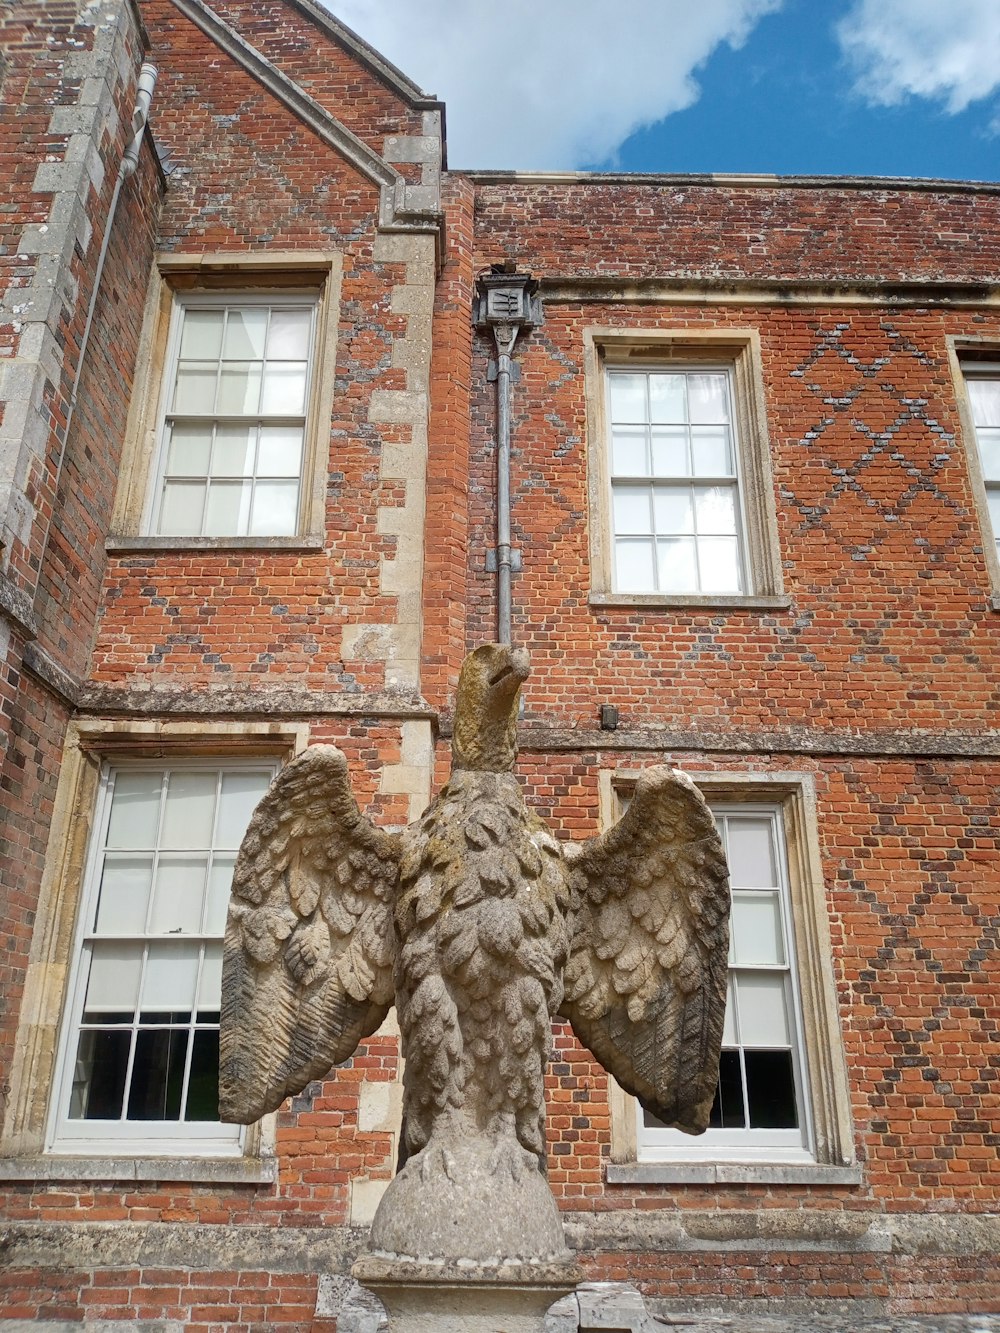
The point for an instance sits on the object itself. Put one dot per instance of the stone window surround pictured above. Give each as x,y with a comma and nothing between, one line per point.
219,273
826,1065
649,349
89,742
975,354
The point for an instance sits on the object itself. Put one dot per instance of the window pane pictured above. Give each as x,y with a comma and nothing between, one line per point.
280,453
190,809
179,895
984,395
189,450
181,510
220,883
632,510
727,1109
285,388
771,1090
719,562
634,566
993,498
239,388
628,397
673,509
227,513
124,895
750,848
628,452
989,452
203,1083
667,398
756,929
712,455
678,570
195,391
707,398
157,1075
201,335
237,801
171,973
729,1027
135,809
671,457
99,1075
761,1012
275,508
245,333
716,509
113,984
210,985
235,450
288,338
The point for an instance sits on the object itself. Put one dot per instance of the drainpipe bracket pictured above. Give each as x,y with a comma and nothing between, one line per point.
493,370
492,564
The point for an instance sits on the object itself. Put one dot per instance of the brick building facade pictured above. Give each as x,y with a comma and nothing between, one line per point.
247,460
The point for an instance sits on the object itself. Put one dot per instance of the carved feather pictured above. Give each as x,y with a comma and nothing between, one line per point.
646,977
307,970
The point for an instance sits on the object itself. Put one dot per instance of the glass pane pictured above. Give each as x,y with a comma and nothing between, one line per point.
201,334
678,571
984,396
994,502
181,509
124,895
188,451
227,513
710,448
756,929
235,449
245,333
634,566
195,390
727,1109
135,809
288,338
179,895
210,986
666,398
203,1081
157,1075
284,388
670,452
632,510
113,984
220,883
674,510
716,509
628,397
190,810
750,848
729,1027
771,1090
761,1009
99,1075
707,398
275,509
171,973
239,387
719,562
237,802
280,452
628,452
989,452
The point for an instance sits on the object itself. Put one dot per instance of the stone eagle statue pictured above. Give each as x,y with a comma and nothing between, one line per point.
481,927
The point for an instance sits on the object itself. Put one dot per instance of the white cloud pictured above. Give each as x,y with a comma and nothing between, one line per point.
551,84
944,50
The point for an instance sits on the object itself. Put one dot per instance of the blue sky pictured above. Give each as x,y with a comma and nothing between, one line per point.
828,87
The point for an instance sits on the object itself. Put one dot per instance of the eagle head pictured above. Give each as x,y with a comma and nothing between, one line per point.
485,735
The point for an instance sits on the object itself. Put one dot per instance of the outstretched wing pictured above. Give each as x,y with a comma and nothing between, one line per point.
646,977
307,965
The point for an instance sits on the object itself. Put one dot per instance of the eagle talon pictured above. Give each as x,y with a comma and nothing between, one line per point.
509,1156
427,1162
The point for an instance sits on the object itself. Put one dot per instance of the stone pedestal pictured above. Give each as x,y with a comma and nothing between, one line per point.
466,1298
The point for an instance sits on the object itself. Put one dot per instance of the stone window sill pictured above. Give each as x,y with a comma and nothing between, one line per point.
995,601
309,541
194,1170
731,1173
690,601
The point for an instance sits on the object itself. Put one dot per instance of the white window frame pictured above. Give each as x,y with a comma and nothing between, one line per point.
965,367
245,298
89,1137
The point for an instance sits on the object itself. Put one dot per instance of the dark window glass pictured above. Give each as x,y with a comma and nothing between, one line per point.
771,1089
